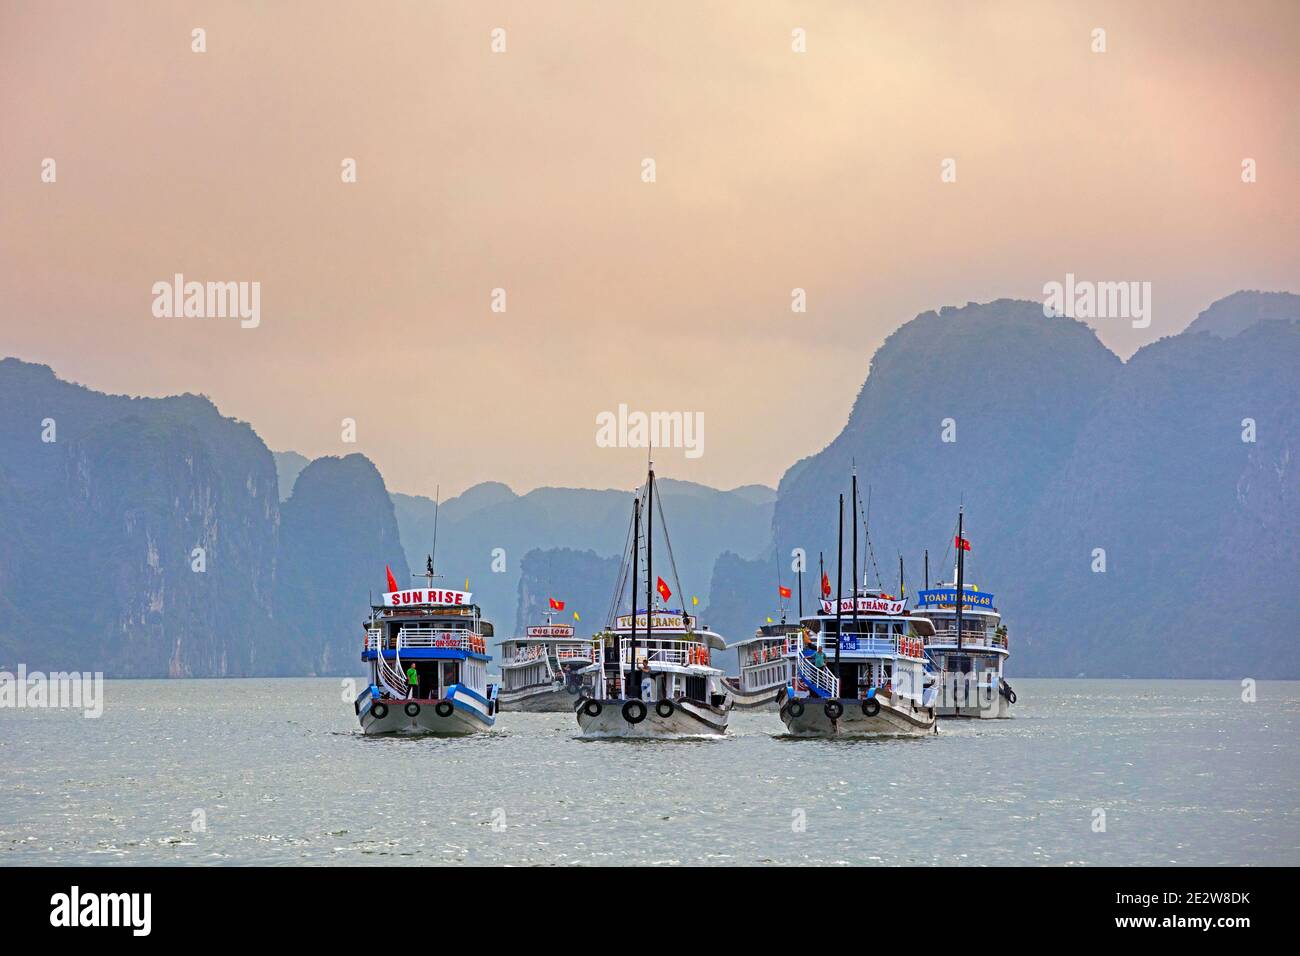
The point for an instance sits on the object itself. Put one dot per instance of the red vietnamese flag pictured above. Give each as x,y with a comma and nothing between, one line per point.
962,543
826,585
392,581
785,592
662,588
556,605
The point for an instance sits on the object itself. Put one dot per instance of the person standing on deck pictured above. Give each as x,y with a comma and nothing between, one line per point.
413,678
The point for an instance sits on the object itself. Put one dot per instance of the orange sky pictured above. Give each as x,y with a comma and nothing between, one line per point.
521,170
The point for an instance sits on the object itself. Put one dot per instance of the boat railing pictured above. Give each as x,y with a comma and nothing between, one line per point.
818,677
883,645
582,651
665,651
948,638
463,639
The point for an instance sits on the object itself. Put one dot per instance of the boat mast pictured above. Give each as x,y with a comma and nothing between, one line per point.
927,569
649,573
839,591
901,590
855,562
961,567
636,545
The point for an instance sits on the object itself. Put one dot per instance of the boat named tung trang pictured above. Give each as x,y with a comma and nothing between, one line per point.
426,649
541,671
654,674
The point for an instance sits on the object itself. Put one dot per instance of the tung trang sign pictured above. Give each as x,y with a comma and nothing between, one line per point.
414,596
666,621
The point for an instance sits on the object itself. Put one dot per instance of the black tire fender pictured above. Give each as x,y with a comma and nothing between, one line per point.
796,708
379,711
412,709
634,711
870,707
833,709
443,708
665,708
592,708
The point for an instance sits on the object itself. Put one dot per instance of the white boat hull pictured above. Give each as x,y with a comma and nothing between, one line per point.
685,718
808,717
957,700
446,718
762,700
537,700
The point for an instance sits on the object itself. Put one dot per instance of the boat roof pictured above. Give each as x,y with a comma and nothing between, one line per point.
521,639
768,632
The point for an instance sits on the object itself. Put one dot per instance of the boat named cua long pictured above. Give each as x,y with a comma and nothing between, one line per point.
654,675
540,672
969,646
439,638
765,667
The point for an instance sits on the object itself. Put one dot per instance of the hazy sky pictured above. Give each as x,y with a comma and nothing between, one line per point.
522,170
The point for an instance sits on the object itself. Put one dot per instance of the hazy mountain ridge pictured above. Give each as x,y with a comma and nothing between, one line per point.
1061,448
99,529
703,522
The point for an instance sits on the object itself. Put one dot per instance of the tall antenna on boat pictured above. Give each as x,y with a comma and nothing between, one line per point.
927,569
839,591
429,574
902,590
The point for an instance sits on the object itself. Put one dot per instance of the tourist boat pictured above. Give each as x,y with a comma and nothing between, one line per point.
540,672
443,636
764,662
653,675
859,668
969,645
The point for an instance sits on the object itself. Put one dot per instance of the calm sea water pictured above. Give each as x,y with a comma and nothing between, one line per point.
1185,772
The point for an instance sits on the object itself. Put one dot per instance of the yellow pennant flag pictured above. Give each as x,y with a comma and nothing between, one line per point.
575,616
467,584
769,620
695,602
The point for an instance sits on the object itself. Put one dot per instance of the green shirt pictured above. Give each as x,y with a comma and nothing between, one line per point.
412,676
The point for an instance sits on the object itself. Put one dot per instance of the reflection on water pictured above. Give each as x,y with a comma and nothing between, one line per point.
1185,772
